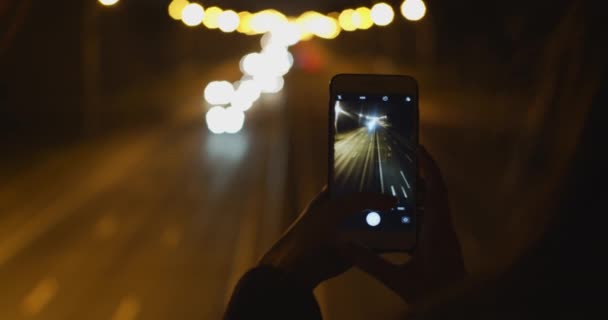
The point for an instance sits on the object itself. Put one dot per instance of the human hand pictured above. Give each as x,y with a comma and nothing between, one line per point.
308,250
437,261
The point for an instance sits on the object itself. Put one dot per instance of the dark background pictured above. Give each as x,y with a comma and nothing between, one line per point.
115,196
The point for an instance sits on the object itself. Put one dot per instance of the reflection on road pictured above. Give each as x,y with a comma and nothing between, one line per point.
370,158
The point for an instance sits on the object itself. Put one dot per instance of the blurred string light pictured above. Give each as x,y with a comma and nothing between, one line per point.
264,71
307,25
211,16
224,120
193,14
365,18
108,2
382,14
176,7
219,92
228,21
413,10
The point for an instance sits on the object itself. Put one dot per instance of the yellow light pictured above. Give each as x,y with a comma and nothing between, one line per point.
193,14
346,21
267,20
382,14
245,22
366,18
319,25
176,7
108,2
355,19
228,21
211,15
413,10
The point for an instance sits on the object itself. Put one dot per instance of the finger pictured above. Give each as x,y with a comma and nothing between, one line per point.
357,202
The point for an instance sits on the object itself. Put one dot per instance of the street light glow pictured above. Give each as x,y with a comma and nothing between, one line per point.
413,10
365,15
346,21
176,7
215,119
193,14
211,16
233,120
267,20
228,21
219,92
269,83
108,3
382,14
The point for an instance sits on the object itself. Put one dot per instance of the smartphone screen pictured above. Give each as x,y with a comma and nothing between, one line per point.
374,150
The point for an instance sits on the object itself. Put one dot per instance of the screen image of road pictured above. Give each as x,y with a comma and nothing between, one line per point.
374,147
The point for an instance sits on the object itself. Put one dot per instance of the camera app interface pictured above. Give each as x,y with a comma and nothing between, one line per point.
374,151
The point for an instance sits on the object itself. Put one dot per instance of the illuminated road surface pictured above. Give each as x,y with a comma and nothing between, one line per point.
371,159
156,225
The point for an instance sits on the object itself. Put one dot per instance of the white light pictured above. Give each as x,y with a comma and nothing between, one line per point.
277,61
234,120
108,2
338,108
219,92
252,64
216,120
246,94
288,35
382,14
228,21
274,61
373,219
413,10
251,89
269,84
193,14
371,125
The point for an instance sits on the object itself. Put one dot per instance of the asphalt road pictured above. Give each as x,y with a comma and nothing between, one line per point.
371,159
160,223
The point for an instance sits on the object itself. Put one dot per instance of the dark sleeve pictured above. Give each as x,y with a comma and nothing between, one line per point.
269,293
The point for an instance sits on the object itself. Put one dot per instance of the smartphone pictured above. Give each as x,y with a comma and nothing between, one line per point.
373,138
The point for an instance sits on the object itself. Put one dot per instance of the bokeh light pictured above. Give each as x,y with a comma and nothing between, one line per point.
245,22
211,16
267,20
193,14
346,20
269,83
108,2
319,25
355,19
413,10
215,119
233,120
228,21
176,7
365,15
251,63
382,14
219,92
